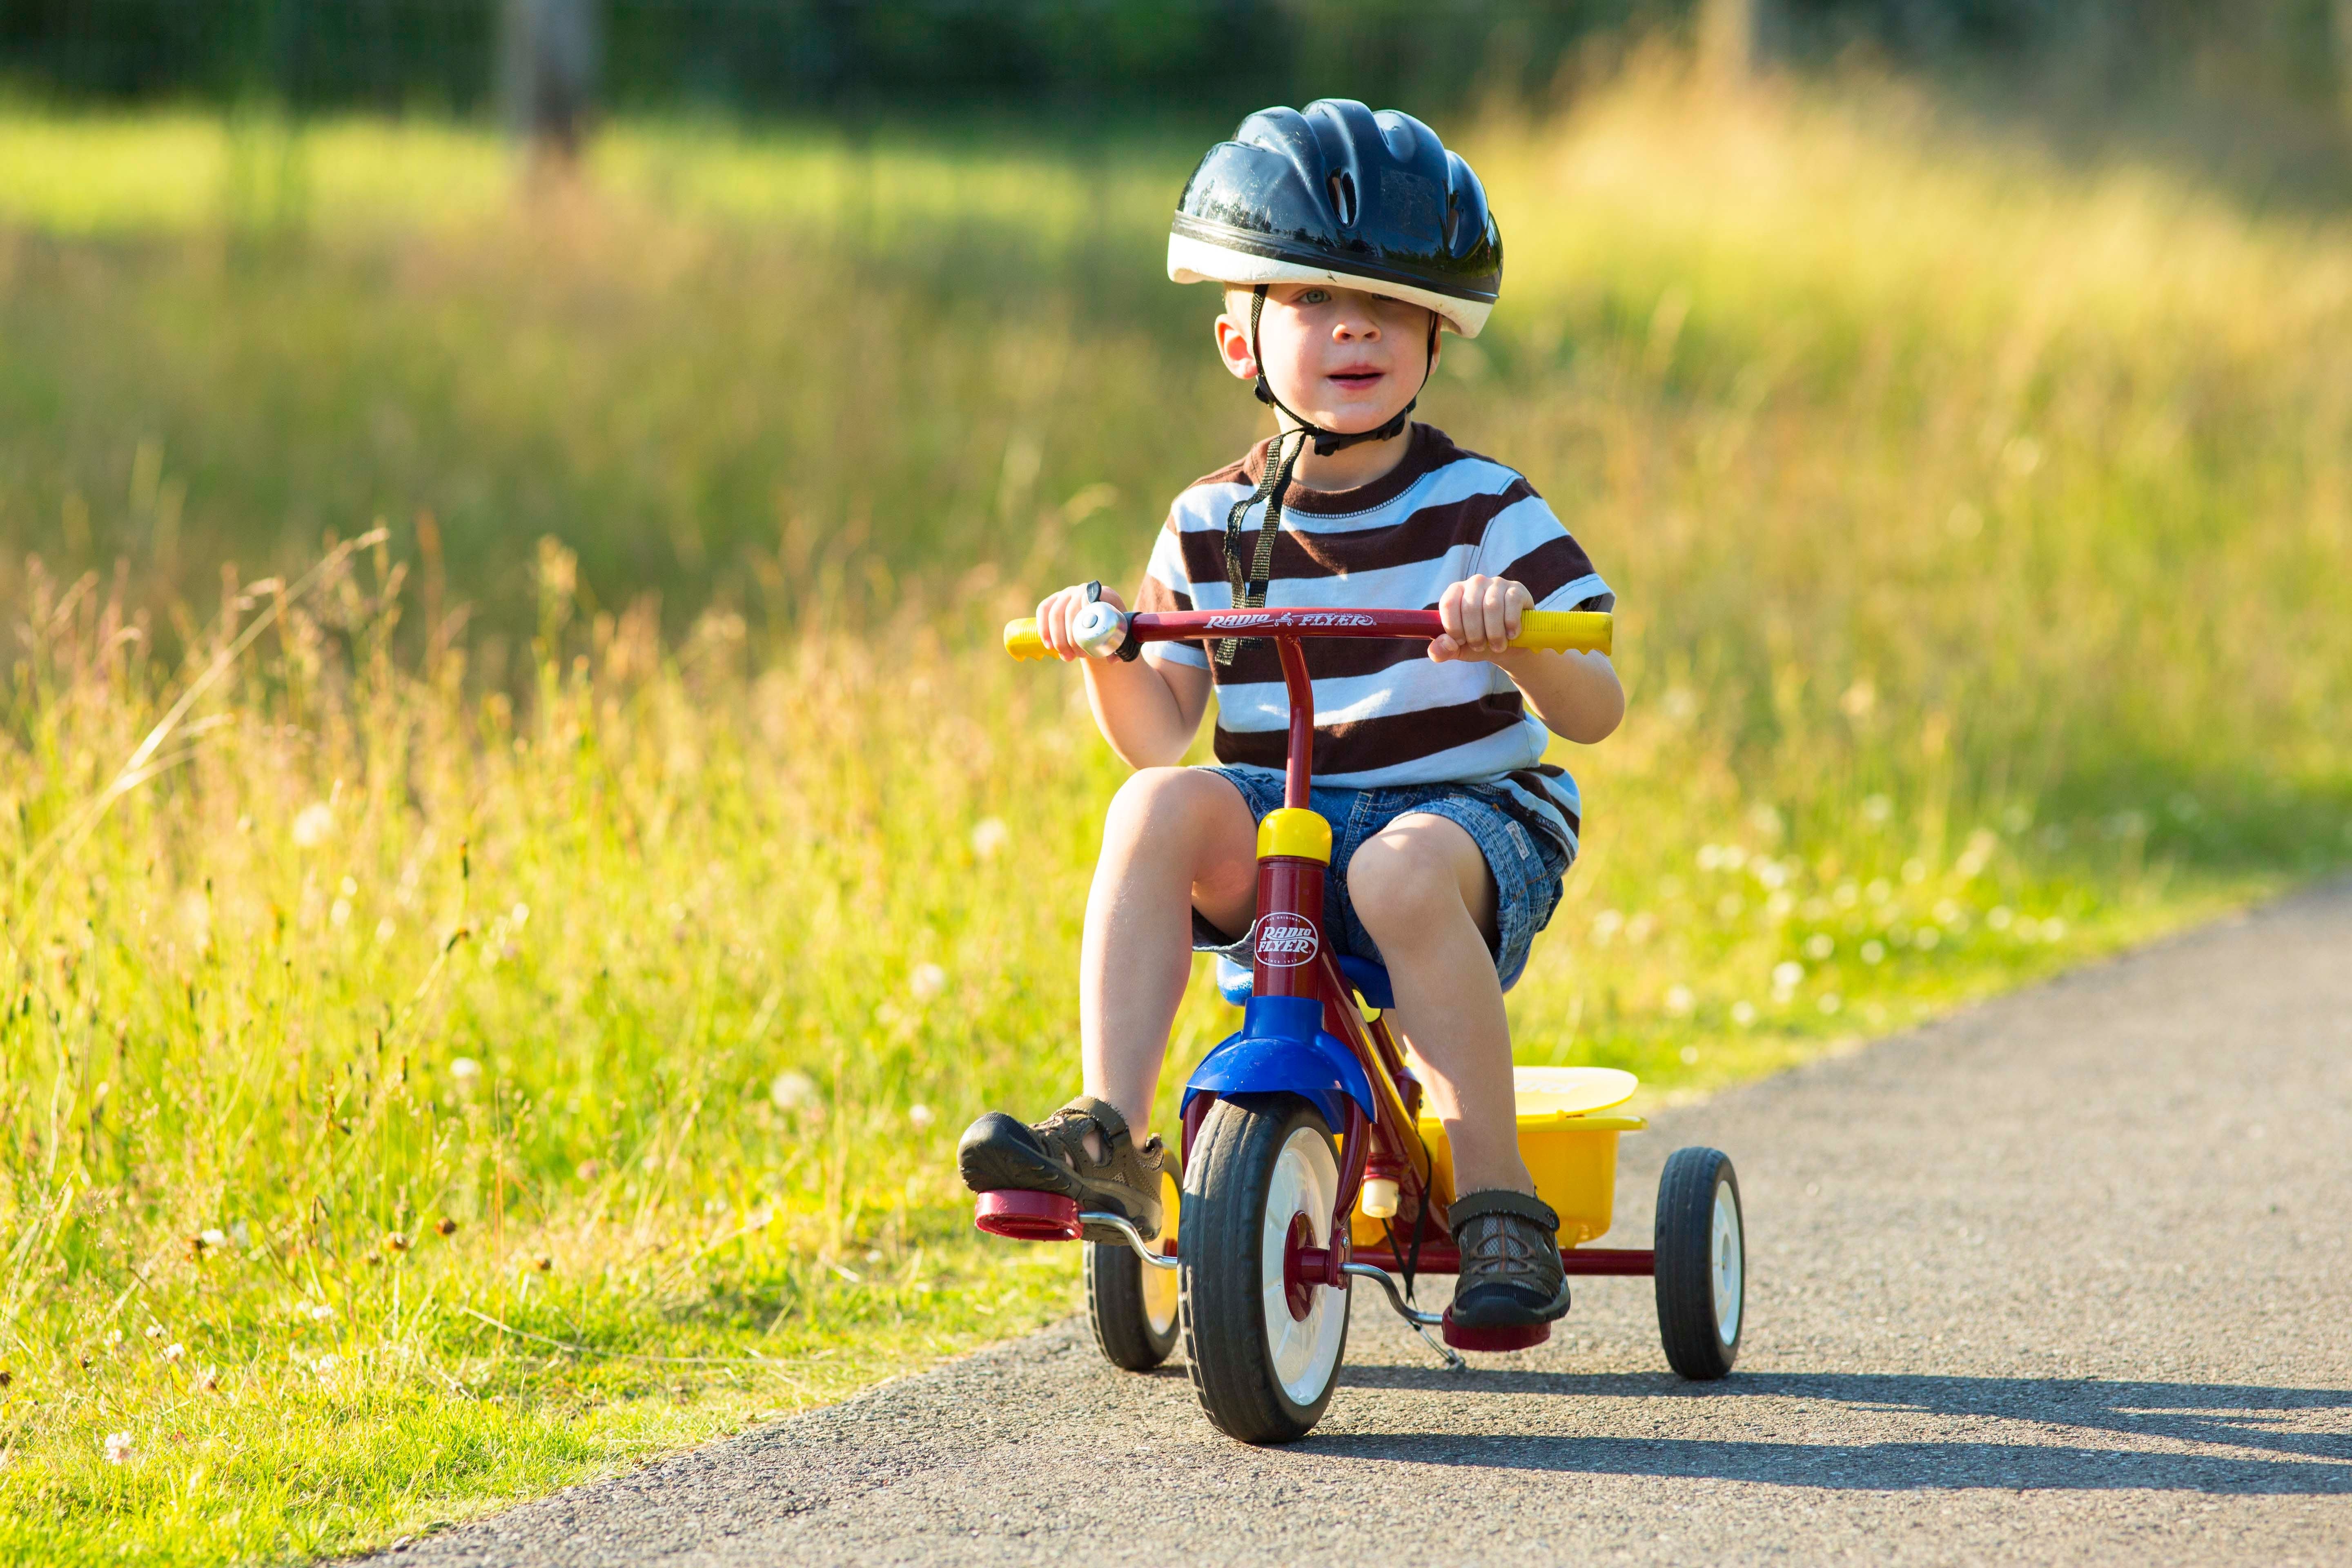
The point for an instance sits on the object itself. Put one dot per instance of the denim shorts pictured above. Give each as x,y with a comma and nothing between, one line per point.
1527,866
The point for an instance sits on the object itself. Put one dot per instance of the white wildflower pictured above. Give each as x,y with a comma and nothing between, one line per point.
1830,1002
119,1449
175,1351
989,836
214,1240
464,1069
313,824
520,917
1874,952
1679,1000
928,980
1743,1014
1689,1055
791,1090
1876,808
1820,945
921,1117
1788,974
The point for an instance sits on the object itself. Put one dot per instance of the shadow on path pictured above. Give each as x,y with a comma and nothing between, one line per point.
2287,1458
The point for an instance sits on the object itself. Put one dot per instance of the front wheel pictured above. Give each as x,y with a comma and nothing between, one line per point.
1701,1263
1132,1307
1264,1345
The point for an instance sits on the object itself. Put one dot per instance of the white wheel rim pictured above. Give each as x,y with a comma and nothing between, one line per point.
1303,1351
1158,1300
1160,1290
1727,1262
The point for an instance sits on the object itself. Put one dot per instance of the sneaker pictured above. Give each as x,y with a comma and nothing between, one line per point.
998,1153
1511,1276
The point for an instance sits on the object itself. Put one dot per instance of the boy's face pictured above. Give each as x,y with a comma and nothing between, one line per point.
1341,358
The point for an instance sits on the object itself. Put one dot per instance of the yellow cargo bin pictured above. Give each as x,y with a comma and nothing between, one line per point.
1570,1152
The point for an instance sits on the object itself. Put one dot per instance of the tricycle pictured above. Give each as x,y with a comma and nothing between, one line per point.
1307,1161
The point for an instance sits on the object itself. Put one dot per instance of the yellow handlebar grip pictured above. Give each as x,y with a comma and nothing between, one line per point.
1022,641
1565,631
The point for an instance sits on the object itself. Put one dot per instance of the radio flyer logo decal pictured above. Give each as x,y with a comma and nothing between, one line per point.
1286,942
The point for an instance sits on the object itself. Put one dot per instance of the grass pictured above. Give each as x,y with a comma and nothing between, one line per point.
493,1000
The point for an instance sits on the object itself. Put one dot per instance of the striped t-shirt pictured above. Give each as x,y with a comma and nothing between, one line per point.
1384,714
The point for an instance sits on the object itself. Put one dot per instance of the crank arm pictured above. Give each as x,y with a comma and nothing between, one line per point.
1421,1321
1125,1228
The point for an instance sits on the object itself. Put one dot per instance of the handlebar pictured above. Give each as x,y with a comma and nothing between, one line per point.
1550,631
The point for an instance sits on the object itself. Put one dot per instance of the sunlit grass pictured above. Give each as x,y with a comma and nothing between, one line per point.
649,884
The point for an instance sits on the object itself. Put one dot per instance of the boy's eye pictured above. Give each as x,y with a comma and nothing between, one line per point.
1314,296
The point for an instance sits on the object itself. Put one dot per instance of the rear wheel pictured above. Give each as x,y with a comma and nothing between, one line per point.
1701,1263
1264,1345
1132,1306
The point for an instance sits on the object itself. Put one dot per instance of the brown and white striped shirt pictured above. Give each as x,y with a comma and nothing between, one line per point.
1384,714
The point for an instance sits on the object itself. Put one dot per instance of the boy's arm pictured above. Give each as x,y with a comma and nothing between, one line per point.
1575,694
1149,709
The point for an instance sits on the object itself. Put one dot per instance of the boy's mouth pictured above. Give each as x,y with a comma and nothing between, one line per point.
1357,377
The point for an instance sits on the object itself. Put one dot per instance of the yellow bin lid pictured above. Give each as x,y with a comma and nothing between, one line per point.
1572,1091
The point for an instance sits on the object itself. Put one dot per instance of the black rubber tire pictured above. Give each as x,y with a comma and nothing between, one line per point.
1223,1300
1118,1298
1689,1320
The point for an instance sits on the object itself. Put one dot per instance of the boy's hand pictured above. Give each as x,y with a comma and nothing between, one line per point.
1056,611
1481,615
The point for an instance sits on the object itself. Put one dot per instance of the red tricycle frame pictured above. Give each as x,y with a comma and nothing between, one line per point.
1290,957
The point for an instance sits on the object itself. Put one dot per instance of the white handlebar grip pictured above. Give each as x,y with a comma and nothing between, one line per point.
1098,629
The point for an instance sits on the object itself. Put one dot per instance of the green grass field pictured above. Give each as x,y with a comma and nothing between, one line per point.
491,1002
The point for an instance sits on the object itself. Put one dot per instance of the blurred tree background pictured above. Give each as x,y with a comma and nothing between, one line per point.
767,56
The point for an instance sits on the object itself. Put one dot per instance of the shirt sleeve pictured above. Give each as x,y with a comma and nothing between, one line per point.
1167,587
1526,544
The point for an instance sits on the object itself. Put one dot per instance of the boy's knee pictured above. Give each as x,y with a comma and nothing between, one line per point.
1155,802
1401,882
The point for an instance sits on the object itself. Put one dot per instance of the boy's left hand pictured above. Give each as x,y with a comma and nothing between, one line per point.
1481,615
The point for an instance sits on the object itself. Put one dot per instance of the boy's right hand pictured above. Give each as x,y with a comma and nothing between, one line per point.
1056,611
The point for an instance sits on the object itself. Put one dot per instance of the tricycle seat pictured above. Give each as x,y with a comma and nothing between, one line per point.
1369,980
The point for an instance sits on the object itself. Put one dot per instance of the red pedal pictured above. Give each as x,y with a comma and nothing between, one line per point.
1027,1216
1519,1337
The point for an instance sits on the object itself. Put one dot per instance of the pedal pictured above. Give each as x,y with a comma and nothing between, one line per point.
1513,1337
1027,1216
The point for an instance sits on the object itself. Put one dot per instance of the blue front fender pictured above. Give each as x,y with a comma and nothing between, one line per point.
1282,1049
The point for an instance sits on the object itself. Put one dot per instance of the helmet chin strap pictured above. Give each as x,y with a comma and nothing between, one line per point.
1246,586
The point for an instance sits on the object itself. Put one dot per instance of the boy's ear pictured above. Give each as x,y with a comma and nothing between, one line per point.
1234,345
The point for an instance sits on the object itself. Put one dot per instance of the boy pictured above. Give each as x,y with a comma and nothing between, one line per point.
1346,242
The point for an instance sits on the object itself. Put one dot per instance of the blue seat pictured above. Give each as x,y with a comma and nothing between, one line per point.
1370,980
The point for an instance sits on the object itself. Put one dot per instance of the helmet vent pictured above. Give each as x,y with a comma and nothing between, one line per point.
1343,198
1453,219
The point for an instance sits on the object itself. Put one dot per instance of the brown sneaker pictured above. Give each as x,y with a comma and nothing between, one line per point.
999,1154
1511,1276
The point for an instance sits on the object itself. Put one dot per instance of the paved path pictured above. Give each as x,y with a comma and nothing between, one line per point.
2065,1280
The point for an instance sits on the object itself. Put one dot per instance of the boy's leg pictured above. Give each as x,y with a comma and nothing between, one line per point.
1173,836
1423,891
1175,839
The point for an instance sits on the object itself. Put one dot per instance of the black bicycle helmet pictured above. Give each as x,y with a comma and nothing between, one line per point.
1341,195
